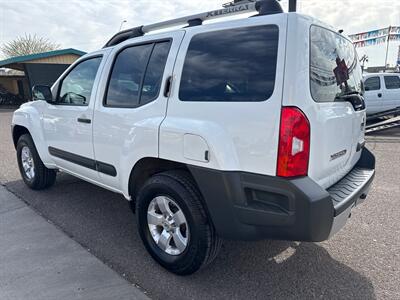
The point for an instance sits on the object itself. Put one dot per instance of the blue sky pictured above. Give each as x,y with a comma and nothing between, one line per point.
87,24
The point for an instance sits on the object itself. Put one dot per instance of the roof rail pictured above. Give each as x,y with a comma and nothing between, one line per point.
244,6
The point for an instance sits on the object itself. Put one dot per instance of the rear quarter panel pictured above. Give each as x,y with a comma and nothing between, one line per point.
326,136
240,135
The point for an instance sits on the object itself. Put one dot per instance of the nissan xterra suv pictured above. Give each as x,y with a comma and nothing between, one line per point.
245,129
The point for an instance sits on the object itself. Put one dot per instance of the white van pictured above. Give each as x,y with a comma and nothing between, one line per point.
382,92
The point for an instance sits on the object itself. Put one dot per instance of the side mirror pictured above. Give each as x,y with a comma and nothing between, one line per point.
366,88
42,92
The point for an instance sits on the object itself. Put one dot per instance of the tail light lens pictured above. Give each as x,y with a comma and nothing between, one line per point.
294,143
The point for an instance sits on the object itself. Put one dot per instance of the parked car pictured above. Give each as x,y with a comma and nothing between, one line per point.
246,129
382,92
7,98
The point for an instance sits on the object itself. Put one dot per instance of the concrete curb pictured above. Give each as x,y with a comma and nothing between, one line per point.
39,261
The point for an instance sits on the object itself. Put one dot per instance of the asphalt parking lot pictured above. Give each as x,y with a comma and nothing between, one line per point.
360,262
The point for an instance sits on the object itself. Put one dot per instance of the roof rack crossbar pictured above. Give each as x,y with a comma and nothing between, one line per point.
214,14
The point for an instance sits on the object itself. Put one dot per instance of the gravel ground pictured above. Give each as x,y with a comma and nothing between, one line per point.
361,262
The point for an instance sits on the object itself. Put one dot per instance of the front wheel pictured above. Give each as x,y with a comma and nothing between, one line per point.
173,224
33,171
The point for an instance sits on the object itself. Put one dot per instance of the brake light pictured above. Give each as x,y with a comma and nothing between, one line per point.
294,143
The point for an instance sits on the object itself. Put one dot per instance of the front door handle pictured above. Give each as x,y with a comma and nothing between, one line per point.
84,120
379,95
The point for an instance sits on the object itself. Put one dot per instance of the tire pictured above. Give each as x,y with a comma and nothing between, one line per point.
41,177
202,243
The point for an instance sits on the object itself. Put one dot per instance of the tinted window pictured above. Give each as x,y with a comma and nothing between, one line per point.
76,87
126,77
231,65
392,82
154,72
137,74
334,67
372,84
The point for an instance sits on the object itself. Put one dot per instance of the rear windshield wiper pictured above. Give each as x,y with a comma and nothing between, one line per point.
354,97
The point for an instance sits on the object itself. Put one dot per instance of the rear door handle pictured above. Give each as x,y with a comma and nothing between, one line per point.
84,120
379,95
167,89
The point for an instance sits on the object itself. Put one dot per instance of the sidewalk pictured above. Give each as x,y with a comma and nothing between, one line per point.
38,261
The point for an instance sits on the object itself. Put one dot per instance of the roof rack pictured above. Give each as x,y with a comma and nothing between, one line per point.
237,7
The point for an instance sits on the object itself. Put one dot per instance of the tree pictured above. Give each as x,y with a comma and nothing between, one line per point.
27,44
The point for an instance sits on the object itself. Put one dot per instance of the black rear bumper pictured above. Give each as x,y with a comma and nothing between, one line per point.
246,206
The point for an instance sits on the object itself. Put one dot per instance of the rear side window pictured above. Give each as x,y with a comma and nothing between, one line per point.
231,65
334,66
372,84
154,73
136,75
392,82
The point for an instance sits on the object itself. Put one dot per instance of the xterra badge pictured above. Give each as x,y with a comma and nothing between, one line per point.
338,154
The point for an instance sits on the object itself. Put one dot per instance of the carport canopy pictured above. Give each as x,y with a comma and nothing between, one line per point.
43,68
64,56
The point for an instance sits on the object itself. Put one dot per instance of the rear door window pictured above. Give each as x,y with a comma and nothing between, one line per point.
136,75
372,84
334,66
127,73
154,73
231,65
392,82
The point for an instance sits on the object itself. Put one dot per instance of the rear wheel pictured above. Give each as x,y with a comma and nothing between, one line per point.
173,224
31,167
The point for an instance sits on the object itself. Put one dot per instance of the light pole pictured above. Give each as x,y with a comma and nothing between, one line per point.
363,60
387,46
122,23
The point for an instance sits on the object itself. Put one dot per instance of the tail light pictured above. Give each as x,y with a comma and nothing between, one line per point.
294,143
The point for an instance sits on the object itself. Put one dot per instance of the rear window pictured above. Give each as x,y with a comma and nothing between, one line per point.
334,67
372,84
392,82
231,65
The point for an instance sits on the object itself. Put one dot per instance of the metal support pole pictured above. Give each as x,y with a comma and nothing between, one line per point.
387,47
292,5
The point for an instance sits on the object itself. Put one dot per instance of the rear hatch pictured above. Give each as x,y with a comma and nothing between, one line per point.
338,118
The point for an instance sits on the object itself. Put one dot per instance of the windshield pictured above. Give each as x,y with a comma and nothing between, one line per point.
334,67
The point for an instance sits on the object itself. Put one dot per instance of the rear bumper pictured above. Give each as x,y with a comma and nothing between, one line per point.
246,206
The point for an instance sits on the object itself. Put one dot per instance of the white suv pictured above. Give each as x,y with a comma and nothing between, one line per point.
245,129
